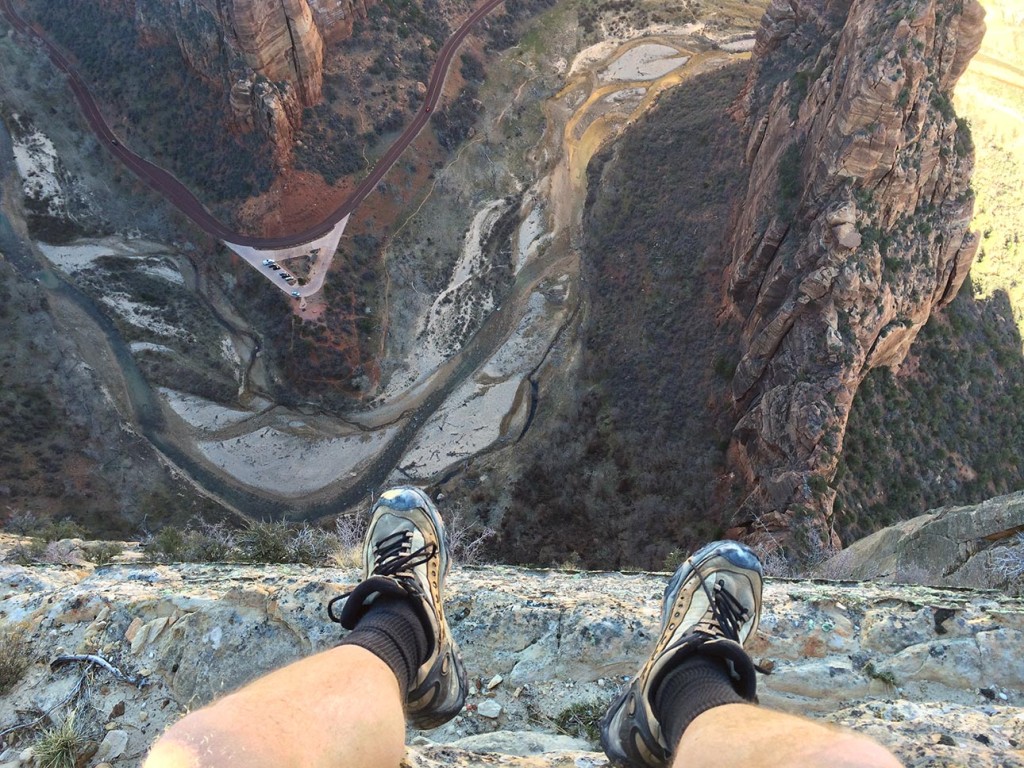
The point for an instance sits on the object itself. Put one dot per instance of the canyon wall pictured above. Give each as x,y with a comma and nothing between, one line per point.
267,54
853,230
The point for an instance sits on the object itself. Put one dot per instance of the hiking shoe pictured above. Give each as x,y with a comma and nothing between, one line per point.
405,553
712,605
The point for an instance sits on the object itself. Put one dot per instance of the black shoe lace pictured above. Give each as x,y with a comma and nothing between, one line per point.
728,612
392,557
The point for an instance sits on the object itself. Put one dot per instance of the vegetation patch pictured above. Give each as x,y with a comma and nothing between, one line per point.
947,429
639,445
153,87
63,745
582,720
14,658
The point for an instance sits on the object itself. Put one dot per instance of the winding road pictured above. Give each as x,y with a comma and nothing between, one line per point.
182,198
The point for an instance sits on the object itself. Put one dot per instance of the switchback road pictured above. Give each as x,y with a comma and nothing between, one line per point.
182,198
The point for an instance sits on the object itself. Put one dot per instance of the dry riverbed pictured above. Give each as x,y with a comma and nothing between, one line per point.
484,272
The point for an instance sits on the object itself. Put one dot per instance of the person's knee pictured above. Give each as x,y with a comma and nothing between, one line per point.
851,750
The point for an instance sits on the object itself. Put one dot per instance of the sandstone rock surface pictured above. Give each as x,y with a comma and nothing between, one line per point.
936,674
268,54
854,229
955,546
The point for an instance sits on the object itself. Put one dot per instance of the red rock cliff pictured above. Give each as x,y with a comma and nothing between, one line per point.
268,54
853,230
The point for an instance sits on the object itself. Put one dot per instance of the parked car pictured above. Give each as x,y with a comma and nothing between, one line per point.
296,294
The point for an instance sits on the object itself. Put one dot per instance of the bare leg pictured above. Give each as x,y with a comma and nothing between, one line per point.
341,708
751,736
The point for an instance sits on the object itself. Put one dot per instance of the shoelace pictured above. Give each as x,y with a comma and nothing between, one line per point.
391,557
728,612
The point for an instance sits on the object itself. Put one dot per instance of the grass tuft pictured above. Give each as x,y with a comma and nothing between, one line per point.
62,745
582,719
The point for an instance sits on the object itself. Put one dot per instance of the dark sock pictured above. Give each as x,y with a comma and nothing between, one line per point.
698,684
392,631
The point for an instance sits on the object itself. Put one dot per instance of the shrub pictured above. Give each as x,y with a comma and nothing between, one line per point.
62,745
310,545
14,658
103,552
581,719
27,553
62,529
22,522
1008,561
166,544
63,552
348,533
266,542
466,540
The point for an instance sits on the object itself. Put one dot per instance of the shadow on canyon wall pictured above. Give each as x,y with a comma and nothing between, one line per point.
630,468
631,464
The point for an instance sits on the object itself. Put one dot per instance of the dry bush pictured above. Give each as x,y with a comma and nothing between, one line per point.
14,658
466,540
1008,561
349,532
64,552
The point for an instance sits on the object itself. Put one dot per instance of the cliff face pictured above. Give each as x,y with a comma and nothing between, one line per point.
854,228
934,674
268,54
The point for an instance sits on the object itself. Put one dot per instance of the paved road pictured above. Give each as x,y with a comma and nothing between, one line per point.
180,196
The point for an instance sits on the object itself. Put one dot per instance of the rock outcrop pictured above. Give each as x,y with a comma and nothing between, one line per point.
975,546
935,674
854,229
267,54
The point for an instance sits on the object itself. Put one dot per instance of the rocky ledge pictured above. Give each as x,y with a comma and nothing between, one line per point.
936,674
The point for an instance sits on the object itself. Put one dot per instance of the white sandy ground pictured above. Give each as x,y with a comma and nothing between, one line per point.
532,234
599,52
289,464
37,162
200,412
230,353
739,46
164,272
74,257
444,322
470,419
140,315
644,62
626,94
447,318
145,346
468,422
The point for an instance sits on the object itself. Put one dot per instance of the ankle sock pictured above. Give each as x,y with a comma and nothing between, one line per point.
392,631
698,684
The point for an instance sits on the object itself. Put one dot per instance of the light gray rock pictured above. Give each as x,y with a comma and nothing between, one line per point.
112,747
520,743
489,708
847,236
222,625
951,546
